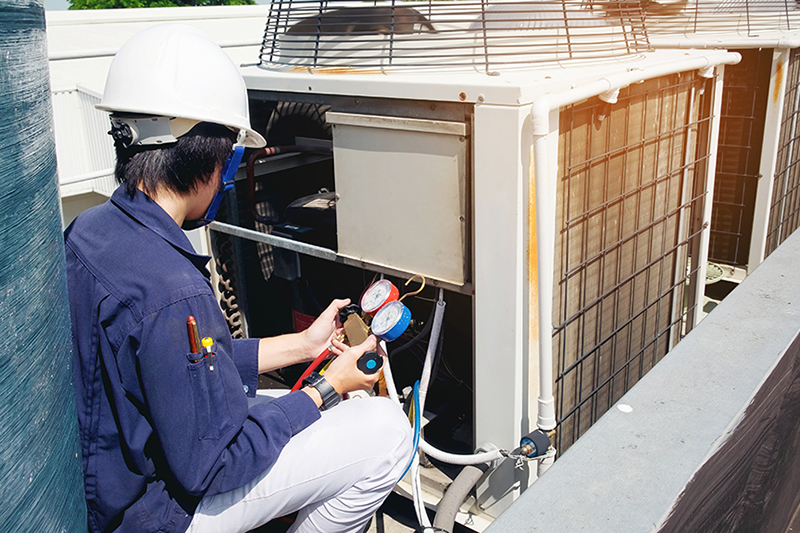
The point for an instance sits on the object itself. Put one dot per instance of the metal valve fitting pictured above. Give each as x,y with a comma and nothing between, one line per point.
534,443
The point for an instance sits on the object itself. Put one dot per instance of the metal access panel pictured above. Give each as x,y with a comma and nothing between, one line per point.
744,105
630,199
784,214
401,193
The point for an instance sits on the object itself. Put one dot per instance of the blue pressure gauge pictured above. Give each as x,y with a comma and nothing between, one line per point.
391,321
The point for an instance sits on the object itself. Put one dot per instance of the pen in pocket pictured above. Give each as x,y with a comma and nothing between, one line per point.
194,338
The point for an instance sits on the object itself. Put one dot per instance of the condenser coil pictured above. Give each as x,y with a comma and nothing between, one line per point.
631,193
741,137
784,213
753,191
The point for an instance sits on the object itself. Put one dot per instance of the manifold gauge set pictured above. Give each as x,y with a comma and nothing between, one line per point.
390,317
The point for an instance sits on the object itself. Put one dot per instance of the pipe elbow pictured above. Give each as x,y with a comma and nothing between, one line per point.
540,116
546,419
733,58
788,43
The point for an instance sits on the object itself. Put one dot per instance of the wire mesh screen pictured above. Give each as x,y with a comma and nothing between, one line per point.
744,107
727,17
630,199
483,34
784,215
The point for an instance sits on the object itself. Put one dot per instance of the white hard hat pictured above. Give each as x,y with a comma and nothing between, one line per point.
178,72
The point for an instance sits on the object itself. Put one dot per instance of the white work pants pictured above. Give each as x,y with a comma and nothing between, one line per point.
336,473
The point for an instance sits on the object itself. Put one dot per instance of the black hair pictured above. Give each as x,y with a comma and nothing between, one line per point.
179,167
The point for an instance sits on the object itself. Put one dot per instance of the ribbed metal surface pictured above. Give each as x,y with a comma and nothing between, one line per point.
479,34
784,216
630,198
83,145
84,150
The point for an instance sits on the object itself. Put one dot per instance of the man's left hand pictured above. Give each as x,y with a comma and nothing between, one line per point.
325,328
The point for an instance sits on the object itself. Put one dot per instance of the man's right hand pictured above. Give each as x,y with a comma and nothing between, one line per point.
344,375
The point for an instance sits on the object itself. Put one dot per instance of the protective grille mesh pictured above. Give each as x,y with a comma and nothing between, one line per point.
784,216
744,106
749,18
484,35
630,196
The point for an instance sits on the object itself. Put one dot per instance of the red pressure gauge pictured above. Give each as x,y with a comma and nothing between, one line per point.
377,295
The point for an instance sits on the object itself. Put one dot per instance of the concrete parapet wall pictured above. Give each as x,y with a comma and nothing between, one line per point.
707,441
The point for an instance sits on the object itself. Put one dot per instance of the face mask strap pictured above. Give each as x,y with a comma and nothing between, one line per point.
226,183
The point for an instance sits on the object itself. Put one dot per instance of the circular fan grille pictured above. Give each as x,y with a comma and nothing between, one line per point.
485,35
749,18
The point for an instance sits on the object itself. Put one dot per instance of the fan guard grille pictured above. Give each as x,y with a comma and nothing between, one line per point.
484,35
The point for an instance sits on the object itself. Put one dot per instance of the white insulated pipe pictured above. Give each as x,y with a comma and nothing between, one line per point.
388,376
735,41
768,165
111,52
545,183
106,172
458,459
711,169
433,343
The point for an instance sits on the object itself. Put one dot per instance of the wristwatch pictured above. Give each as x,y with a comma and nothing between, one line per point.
330,397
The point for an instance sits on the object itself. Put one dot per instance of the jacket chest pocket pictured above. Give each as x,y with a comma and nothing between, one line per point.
212,414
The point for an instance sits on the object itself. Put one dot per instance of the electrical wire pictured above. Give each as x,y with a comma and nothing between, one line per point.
311,296
419,336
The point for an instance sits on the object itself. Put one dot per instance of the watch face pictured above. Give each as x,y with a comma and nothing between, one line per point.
376,296
386,318
311,380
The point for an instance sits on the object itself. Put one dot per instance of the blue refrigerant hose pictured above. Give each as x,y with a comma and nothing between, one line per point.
417,427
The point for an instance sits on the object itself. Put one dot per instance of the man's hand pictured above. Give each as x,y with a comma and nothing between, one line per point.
344,375
324,331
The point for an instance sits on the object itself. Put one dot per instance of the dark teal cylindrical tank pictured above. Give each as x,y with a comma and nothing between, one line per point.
41,485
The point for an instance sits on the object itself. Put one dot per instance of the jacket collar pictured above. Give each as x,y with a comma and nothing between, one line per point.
149,214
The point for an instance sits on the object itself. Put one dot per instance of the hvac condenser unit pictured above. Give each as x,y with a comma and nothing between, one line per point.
84,150
756,203
533,159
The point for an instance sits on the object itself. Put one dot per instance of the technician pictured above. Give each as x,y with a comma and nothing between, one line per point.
170,440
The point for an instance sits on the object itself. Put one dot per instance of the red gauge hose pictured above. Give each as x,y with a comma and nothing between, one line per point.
313,366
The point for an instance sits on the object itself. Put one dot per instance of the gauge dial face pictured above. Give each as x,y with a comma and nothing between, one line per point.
387,318
376,296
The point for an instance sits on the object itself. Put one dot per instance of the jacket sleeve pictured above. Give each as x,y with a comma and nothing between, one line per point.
211,441
245,357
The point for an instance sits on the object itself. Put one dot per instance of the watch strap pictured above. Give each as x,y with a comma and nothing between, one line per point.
330,397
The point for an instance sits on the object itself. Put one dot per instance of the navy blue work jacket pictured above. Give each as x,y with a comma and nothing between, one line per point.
159,429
